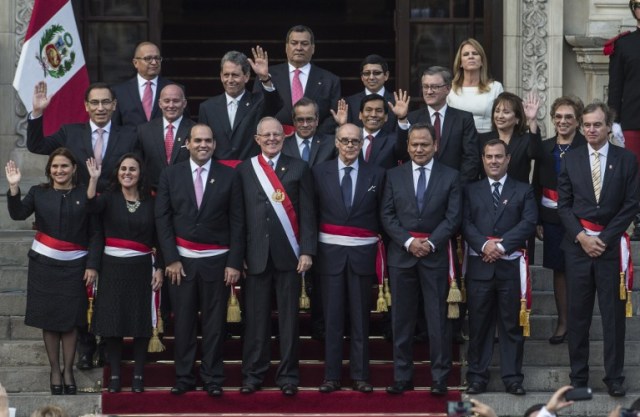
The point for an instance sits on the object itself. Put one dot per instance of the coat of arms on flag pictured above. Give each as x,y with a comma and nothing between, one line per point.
56,51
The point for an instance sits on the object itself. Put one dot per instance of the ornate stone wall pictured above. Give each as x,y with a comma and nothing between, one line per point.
23,14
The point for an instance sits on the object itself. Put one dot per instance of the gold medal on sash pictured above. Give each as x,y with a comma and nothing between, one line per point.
278,196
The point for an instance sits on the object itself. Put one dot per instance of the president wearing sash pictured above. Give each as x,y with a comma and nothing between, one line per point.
598,198
280,221
200,232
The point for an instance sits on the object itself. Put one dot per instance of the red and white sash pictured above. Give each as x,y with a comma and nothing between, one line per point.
57,249
549,198
123,248
279,200
199,250
346,235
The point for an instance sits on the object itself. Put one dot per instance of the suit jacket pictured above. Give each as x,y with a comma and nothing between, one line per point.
217,221
440,215
322,86
265,235
323,148
77,138
237,141
618,196
458,141
354,110
151,142
387,150
624,78
514,221
129,111
364,214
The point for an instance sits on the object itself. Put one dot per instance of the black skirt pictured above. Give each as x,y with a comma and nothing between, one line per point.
553,257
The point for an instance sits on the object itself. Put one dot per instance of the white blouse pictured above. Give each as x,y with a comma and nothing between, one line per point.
479,104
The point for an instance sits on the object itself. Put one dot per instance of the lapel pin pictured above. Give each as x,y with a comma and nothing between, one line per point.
246,104
77,202
179,139
372,188
211,181
505,202
319,82
282,169
610,166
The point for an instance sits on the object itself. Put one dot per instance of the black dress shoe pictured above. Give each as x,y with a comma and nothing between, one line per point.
289,390
249,388
329,386
213,390
55,388
85,362
557,339
114,385
476,388
399,387
180,389
70,389
439,389
616,390
515,388
137,385
362,386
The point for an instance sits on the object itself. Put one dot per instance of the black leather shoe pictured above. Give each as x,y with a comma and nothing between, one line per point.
137,385
617,390
85,362
439,389
70,389
55,388
329,386
180,389
249,388
114,385
399,387
362,386
213,390
558,339
476,388
515,388
289,390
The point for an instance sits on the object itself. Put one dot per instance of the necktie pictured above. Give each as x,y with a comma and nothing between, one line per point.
496,194
147,100
233,108
421,188
168,142
596,174
97,147
305,150
296,87
367,154
197,184
436,126
271,164
346,186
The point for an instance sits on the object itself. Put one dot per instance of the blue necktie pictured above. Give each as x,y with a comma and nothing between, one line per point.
271,164
305,150
346,187
496,195
421,188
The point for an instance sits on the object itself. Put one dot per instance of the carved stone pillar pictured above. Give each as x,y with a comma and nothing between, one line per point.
23,14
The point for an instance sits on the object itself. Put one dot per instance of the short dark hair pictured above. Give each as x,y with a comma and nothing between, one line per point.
572,101
533,409
62,151
374,60
373,97
494,142
301,29
98,86
237,58
445,73
594,106
305,101
422,126
143,186
516,105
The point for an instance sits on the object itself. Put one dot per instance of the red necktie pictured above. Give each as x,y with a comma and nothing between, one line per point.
168,142
367,154
296,87
436,126
147,99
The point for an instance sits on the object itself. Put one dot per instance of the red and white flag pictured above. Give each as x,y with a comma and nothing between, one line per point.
52,52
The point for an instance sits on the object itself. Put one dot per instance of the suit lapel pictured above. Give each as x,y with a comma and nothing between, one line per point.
609,167
207,186
449,120
157,131
283,84
505,197
181,135
87,142
243,108
332,178
315,147
431,186
362,185
291,147
378,143
407,184
114,137
314,82
135,97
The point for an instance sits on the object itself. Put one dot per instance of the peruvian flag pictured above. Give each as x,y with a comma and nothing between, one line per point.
52,52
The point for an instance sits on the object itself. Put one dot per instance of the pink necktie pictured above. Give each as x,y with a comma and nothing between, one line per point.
296,87
147,99
97,148
168,142
368,153
197,184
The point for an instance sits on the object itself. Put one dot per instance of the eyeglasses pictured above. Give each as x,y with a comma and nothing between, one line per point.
270,135
563,116
96,103
434,87
149,59
303,120
370,73
347,142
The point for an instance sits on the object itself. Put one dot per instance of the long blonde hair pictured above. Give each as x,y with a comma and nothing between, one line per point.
458,78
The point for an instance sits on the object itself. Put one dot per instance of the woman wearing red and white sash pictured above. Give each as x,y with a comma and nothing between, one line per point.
127,277
63,258
566,112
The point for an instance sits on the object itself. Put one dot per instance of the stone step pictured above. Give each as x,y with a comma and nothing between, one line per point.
35,379
544,303
542,327
13,327
14,246
13,302
74,405
13,278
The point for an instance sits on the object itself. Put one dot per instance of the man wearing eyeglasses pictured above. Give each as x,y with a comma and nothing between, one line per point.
138,97
374,72
624,94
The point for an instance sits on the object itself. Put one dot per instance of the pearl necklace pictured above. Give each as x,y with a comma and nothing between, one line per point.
132,207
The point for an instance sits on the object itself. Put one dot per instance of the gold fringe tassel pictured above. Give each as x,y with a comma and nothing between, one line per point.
381,303
526,328
623,287
454,311
455,296
523,311
387,292
628,306
233,308
155,344
305,303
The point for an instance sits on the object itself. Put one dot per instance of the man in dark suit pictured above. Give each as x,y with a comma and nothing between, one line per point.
456,133
280,220
162,140
374,72
597,199
348,195
421,211
199,211
380,147
137,97
298,77
500,214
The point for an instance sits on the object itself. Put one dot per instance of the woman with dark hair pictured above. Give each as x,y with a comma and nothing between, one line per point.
566,113
63,259
127,277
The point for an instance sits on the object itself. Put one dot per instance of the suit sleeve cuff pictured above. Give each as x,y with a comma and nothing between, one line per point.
408,243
